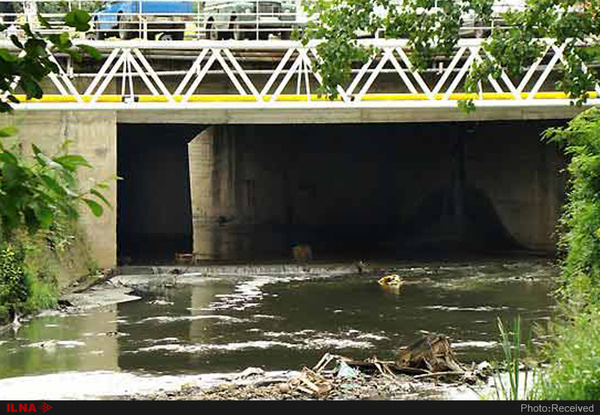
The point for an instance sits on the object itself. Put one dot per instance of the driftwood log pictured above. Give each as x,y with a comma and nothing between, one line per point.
429,357
432,353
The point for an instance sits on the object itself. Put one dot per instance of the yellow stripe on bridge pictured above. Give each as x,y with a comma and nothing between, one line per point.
488,96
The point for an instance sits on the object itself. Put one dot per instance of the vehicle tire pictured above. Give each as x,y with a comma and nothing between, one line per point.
95,33
171,36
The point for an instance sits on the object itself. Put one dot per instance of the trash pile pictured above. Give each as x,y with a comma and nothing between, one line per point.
430,357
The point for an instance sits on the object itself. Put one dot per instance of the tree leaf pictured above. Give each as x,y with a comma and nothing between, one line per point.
101,197
91,51
78,19
9,158
72,161
8,131
44,215
7,56
15,40
53,185
94,206
32,88
13,99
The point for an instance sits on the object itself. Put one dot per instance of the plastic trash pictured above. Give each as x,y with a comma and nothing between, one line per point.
346,372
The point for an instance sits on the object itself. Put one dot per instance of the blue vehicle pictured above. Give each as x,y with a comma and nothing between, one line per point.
128,19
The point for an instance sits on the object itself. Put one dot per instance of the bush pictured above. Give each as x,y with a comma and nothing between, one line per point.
574,357
14,285
30,267
574,352
580,223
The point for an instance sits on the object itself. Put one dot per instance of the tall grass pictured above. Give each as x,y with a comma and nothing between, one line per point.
507,383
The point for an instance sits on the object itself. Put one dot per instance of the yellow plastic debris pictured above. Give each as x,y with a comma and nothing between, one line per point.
391,280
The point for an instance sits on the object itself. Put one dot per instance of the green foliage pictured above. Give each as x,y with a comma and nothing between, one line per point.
434,28
38,192
32,62
580,239
574,352
14,286
339,22
34,192
574,359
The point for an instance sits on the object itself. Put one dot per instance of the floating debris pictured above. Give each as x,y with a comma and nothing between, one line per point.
391,283
429,357
311,382
392,280
302,253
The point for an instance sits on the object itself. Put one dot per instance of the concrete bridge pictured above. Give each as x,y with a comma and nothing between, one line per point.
228,151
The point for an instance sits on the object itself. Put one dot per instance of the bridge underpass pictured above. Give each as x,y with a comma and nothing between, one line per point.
350,191
394,133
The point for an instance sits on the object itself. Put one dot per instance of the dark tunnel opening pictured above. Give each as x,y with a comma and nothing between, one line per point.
154,210
353,191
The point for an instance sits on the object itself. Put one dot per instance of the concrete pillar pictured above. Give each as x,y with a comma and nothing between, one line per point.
202,189
212,159
94,136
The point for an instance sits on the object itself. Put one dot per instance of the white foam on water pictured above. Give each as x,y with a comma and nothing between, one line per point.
51,344
474,343
170,319
196,348
455,308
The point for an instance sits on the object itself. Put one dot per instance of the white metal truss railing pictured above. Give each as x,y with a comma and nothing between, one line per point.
270,75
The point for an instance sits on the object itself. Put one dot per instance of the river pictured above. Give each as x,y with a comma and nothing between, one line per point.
204,325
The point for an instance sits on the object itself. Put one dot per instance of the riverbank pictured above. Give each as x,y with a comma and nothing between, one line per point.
265,387
268,386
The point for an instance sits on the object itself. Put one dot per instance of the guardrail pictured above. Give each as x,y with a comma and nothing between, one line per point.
167,20
271,75
187,19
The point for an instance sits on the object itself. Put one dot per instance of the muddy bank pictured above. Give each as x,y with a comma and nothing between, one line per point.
101,295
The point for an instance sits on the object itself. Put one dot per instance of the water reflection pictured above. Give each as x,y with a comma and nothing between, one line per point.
62,343
277,323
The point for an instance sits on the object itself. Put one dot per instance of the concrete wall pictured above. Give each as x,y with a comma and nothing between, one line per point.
521,175
257,190
94,136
